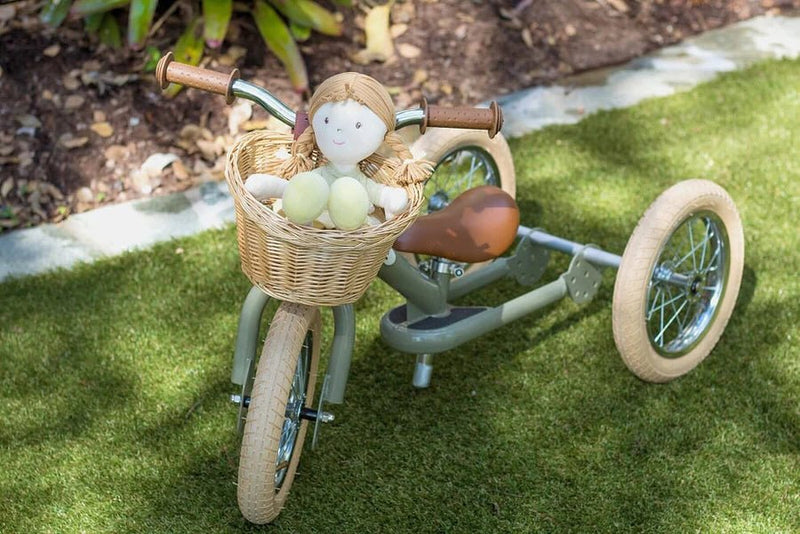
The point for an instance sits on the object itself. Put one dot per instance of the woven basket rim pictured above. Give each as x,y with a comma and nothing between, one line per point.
366,235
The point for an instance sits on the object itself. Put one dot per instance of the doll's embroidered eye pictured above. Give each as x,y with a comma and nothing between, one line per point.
326,120
358,125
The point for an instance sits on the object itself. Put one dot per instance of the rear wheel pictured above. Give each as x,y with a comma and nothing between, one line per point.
464,159
274,431
678,281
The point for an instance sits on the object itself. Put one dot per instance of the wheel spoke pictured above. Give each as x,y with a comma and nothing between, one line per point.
664,328
692,253
705,248
652,309
672,305
667,303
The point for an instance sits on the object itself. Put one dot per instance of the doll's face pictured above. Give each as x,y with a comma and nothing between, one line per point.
347,131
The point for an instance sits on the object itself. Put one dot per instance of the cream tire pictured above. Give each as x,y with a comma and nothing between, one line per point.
439,143
274,432
678,281
464,159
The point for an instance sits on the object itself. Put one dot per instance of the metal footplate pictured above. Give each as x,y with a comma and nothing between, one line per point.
582,278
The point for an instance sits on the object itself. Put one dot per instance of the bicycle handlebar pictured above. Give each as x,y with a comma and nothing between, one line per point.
168,70
230,86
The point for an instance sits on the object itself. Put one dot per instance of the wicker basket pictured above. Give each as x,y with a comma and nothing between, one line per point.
319,267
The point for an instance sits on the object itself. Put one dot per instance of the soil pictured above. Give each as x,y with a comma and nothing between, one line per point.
78,121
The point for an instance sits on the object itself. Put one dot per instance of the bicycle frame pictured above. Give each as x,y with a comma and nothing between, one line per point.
428,323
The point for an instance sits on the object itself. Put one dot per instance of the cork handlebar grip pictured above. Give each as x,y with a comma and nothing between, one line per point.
170,71
490,119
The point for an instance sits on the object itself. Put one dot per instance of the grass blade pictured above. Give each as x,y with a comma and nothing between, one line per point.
55,12
140,18
84,8
279,40
216,16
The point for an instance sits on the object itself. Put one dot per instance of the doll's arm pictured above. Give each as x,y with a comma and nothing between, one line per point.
265,186
393,200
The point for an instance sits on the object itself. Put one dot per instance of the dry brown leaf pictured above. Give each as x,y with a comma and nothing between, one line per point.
239,113
70,82
84,194
527,38
398,29
103,129
29,121
69,142
6,188
53,191
420,77
379,39
52,50
181,173
73,102
116,152
98,116
619,5
570,30
91,65
209,149
408,51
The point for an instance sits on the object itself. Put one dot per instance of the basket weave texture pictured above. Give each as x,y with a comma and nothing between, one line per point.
318,267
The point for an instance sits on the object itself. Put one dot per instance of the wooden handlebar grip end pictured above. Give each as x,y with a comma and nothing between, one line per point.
424,107
161,70
498,119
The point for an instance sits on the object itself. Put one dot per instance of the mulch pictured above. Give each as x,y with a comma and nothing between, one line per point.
82,126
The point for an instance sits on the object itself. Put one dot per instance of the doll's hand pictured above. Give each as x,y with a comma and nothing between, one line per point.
265,186
393,201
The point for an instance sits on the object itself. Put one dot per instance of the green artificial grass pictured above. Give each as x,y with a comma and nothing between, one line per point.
114,377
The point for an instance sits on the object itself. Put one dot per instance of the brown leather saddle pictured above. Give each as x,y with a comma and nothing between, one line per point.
479,225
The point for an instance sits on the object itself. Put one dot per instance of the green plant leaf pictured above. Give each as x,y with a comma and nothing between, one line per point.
189,50
152,55
279,40
54,12
343,3
84,8
311,14
322,20
109,31
299,32
140,18
92,23
291,10
216,16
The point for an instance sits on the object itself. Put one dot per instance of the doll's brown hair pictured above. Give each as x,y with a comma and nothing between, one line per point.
369,92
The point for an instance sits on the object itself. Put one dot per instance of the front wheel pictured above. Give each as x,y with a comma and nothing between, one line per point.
678,280
274,430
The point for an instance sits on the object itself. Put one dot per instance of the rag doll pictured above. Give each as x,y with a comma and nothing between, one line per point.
350,116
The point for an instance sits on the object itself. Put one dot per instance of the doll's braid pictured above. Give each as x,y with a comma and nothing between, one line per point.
409,171
303,157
